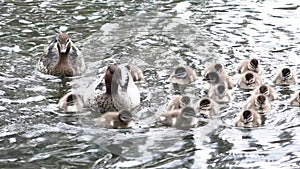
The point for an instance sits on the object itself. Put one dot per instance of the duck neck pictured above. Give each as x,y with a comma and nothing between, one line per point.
111,88
63,67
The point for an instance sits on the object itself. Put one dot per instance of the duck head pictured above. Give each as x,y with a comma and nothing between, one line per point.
247,116
286,74
125,116
212,77
63,43
112,74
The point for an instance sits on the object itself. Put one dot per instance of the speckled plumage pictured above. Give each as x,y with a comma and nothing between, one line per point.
55,61
121,92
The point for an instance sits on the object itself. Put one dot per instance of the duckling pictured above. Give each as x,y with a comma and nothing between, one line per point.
183,75
121,91
179,118
178,102
267,91
71,102
220,94
249,118
214,78
285,77
207,108
250,80
250,65
296,100
62,58
115,120
259,103
136,72
219,68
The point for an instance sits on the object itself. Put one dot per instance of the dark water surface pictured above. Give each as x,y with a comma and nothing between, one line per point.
157,36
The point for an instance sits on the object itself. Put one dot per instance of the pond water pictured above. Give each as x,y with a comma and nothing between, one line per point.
157,36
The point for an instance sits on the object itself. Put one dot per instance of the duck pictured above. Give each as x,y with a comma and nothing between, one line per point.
249,118
250,65
285,77
178,102
183,75
121,91
220,94
214,78
70,102
62,58
115,120
136,72
266,90
249,80
296,99
259,103
207,108
179,118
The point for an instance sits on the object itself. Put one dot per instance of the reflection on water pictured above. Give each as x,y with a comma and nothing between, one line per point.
157,36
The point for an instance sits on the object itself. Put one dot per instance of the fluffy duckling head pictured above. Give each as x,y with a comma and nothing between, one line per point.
249,78
212,77
63,43
221,90
263,89
180,73
125,116
253,64
247,116
219,67
205,103
188,112
260,101
286,74
185,100
71,103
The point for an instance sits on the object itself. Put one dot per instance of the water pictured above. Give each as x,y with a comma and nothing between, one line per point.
157,36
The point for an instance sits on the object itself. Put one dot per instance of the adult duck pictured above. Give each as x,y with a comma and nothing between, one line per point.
62,58
121,91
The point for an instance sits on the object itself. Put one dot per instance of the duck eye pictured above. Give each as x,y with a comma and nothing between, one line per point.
68,40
